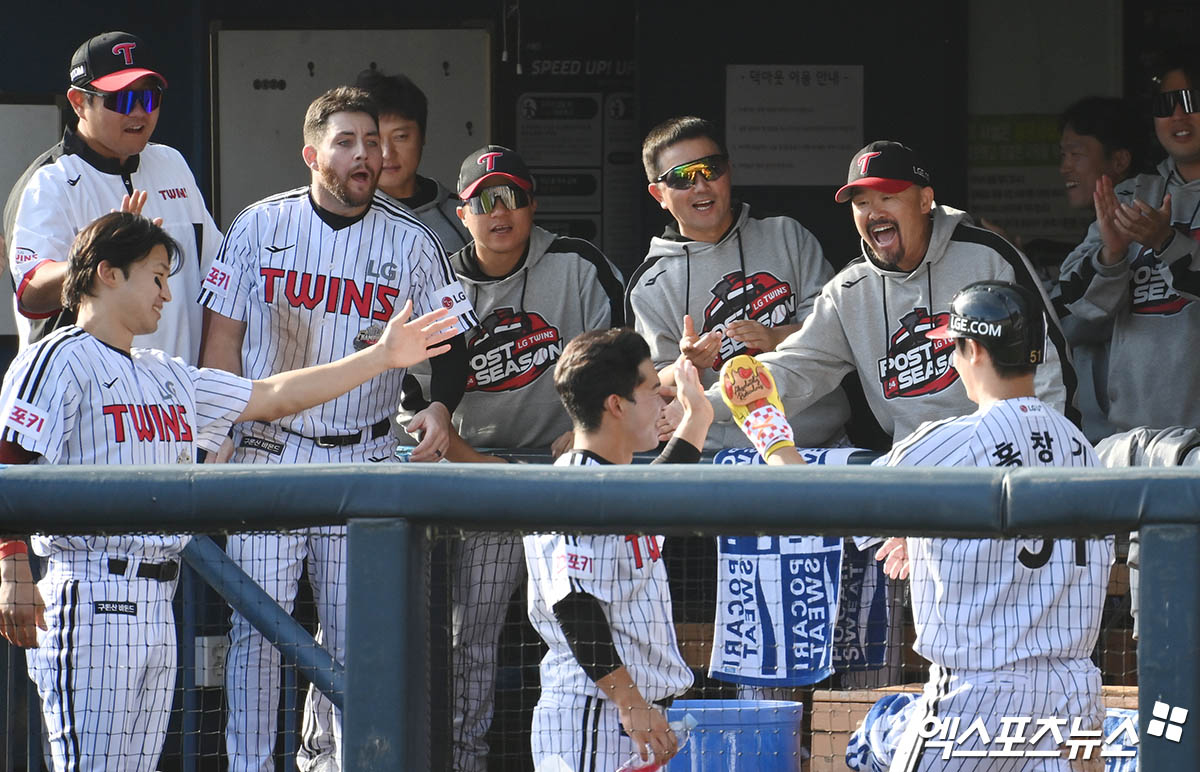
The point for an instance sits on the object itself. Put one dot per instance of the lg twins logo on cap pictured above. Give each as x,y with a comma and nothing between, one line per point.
488,160
125,50
864,161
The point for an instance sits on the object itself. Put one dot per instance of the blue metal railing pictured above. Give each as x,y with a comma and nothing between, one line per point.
387,507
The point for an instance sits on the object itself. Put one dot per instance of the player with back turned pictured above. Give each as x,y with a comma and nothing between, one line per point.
104,659
1008,625
305,277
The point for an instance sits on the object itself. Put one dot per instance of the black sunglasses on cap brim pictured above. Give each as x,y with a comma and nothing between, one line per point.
683,176
1164,104
484,202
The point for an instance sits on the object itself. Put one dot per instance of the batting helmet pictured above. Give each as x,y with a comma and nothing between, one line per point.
1005,318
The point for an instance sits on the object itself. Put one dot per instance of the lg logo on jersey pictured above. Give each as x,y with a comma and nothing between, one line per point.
387,271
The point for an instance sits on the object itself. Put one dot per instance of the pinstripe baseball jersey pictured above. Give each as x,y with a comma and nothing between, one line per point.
313,287
68,187
73,399
985,603
626,574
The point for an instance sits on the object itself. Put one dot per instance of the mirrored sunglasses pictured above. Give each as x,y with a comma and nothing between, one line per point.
682,177
485,200
123,101
1165,103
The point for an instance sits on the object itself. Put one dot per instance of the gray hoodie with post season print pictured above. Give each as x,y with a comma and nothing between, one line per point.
562,287
769,270
873,320
1153,300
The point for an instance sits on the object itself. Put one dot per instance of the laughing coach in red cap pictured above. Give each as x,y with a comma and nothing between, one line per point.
873,315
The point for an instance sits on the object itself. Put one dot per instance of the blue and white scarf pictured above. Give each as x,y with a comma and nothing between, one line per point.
777,621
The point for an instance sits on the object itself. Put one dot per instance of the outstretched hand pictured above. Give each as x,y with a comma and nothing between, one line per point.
406,343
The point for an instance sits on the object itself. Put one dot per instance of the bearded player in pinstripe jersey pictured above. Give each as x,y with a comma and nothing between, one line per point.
1007,625
304,277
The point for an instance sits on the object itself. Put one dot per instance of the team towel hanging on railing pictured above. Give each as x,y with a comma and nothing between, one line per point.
778,601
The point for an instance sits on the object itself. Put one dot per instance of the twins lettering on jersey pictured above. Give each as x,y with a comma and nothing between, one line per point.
1152,293
636,542
24,255
916,365
760,297
148,423
170,194
511,350
338,295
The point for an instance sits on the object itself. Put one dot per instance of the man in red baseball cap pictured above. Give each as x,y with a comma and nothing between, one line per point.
871,318
116,90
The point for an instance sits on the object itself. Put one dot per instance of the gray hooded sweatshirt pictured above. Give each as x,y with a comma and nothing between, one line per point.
438,213
769,270
562,287
873,320
1152,300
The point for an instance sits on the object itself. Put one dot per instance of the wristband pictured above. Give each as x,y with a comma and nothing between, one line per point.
14,547
768,430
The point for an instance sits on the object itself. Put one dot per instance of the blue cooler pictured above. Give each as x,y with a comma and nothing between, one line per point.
741,735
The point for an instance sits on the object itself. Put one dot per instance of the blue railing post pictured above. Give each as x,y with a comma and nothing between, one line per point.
386,608
1169,628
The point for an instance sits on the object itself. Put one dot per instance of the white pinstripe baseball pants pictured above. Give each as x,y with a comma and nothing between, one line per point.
1037,688
105,667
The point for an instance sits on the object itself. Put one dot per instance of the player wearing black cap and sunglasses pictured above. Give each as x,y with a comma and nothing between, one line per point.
1140,266
116,90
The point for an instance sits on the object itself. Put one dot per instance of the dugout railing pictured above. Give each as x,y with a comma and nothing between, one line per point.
390,509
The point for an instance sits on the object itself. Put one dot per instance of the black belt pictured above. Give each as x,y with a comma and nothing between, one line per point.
341,440
159,572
